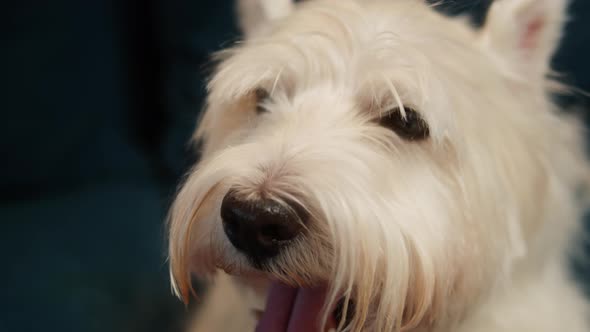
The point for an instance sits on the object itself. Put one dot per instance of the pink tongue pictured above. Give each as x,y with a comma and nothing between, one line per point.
291,309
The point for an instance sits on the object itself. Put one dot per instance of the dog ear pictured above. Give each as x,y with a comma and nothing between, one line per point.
254,15
525,33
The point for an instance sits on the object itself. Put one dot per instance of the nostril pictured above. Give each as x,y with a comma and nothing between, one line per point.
231,227
270,232
275,233
268,235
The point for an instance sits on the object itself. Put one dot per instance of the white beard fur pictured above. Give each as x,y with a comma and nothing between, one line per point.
469,231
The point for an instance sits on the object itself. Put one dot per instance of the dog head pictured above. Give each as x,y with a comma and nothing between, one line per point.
403,158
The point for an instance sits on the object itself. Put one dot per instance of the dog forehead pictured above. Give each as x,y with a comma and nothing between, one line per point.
357,29
347,42
357,20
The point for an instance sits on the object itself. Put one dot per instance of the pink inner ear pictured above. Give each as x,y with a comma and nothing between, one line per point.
532,33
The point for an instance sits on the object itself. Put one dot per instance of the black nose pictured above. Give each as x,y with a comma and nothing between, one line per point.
260,227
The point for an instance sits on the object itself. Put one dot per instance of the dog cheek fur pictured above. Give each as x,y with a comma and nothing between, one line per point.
362,192
468,243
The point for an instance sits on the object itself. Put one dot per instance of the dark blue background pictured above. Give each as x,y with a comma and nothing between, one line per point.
98,101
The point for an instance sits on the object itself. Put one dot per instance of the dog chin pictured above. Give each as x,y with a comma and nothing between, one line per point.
291,302
295,307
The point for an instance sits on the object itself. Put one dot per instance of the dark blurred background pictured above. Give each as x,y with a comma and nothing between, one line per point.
98,102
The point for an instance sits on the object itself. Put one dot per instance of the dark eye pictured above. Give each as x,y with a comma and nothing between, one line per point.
411,127
261,96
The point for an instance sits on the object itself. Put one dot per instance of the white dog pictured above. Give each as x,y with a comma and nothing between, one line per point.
372,165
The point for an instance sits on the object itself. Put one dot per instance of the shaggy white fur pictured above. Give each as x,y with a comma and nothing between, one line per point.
466,230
